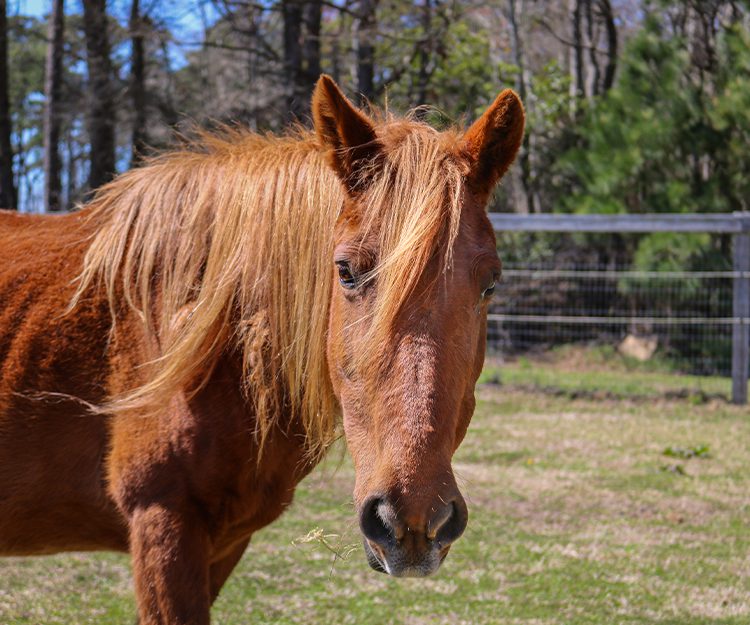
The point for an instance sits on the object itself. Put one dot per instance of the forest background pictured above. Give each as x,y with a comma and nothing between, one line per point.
633,106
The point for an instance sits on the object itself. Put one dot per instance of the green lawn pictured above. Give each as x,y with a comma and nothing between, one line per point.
600,372
576,516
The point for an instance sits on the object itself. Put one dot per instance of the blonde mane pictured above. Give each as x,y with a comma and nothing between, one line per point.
228,245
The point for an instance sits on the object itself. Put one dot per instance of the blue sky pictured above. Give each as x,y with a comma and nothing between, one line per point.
184,17
30,7
185,14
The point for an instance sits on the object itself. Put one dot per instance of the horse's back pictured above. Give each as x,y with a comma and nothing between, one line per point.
52,365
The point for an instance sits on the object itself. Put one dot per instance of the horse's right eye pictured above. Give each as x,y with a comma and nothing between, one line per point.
346,277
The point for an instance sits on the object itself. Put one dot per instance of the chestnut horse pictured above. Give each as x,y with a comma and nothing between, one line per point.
177,355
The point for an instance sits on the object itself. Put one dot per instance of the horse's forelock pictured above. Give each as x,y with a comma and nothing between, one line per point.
414,209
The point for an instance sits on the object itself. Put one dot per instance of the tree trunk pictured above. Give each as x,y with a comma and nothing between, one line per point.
605,9
425,54
302,20
592,37
137,83
8,196
335,53
311,47
101,108
292,12
71,173
364,35
53,104
577,84
524,156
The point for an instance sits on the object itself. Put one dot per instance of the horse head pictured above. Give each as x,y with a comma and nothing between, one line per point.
415,266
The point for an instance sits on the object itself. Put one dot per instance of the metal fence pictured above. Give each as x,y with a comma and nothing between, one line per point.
699,319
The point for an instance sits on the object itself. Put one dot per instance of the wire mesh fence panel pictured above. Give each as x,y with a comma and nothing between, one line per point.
683,317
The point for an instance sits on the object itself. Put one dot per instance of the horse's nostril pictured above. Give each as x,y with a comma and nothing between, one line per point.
375,520
438,521
452,522
385,530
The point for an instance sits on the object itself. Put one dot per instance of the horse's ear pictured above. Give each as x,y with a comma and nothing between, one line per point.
346,131
493,140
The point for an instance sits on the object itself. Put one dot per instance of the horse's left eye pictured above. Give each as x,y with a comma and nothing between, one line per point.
489,290
346,277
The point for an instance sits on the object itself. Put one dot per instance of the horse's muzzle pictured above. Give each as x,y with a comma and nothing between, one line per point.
414,549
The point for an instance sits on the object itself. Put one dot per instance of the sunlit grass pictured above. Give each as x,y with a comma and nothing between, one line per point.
604,373
577,516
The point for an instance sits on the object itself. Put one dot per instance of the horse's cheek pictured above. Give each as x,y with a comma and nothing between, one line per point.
464,418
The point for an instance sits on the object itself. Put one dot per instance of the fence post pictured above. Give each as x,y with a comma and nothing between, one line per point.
740,312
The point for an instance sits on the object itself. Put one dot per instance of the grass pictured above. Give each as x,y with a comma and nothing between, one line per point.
575,518
603,373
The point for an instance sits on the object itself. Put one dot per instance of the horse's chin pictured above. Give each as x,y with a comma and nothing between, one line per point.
428,565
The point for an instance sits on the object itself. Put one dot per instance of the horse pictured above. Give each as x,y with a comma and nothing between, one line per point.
180,352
